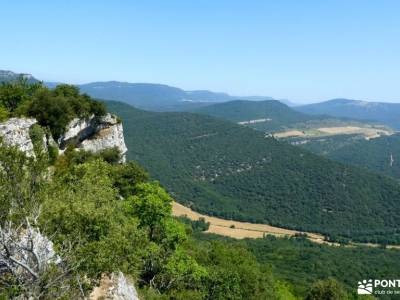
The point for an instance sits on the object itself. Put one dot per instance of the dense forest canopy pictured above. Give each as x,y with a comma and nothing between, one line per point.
271,116
303,263
378,154
278,115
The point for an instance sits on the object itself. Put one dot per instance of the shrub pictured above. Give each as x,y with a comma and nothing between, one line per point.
36,133
4,114
53,153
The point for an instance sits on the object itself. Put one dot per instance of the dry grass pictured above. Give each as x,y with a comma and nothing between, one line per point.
367,132
241,230
289,133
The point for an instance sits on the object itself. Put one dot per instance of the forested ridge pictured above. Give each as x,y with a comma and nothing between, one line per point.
271,116
278,114
380,155
230,171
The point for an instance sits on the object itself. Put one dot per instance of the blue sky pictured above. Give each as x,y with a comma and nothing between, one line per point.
300,50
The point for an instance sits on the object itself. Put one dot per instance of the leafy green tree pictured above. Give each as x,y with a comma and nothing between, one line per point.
328,289
15,93
51,111
4,114
110,155
82,207
153,206
21,180
127,176
234,273
181,272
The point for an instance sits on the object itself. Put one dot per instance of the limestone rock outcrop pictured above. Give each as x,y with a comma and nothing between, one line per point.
91,134
15,132
95,134
25,253
115,287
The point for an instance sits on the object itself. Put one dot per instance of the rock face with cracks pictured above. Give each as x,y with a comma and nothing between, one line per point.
114,287
95,134
91,134
25,252
15,132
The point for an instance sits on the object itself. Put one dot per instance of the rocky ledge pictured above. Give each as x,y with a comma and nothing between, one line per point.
92,134
15,132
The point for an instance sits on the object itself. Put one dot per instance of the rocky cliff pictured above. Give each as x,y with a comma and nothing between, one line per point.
95,134
91,134
15,132
114,287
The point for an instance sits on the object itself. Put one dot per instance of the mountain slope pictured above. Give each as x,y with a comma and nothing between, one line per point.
380,155
220,168
6,76
271,113
149,96
143,95
157,97
387,113
275,116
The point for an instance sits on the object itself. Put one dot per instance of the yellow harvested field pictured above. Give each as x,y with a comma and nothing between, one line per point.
340,130
368,132
241,229
290,133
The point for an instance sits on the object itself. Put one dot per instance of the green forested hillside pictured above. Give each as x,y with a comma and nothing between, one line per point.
278,114
323,145
227,170
272,116
154,97
381,154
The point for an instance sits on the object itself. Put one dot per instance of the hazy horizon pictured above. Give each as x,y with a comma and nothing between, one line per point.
304,52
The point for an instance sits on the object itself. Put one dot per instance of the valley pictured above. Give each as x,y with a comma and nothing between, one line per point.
231,171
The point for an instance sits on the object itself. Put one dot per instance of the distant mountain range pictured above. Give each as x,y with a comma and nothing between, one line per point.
156,97
149,96
6,76
160,97
387,113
